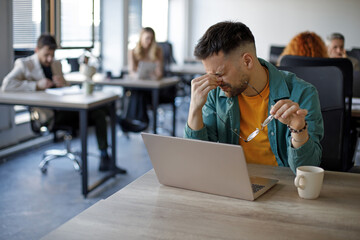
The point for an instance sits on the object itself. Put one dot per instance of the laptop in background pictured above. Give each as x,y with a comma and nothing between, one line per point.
145,70
204,166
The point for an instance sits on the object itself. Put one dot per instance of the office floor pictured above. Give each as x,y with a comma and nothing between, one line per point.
33,204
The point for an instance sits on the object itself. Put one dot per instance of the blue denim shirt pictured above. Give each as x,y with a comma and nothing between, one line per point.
283,85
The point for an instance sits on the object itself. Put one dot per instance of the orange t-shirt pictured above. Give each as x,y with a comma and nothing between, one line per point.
253,112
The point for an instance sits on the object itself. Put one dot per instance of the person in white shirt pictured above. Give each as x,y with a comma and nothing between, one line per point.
39,72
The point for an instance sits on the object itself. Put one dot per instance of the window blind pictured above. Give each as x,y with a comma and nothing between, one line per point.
26,23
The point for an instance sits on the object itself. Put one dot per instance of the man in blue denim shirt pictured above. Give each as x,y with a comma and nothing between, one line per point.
239,91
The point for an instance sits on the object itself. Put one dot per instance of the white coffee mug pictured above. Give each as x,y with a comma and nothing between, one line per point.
309,181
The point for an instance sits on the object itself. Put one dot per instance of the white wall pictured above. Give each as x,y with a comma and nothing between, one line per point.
178,32
277,21
114,14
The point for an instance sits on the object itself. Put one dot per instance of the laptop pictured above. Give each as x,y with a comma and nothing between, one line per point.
146,70
204,166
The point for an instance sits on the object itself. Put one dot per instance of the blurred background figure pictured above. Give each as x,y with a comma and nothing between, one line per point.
145,62
336,49
307,44
146,51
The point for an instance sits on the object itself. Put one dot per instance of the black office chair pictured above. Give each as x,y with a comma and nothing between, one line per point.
346,68
343,64
356,84
42,122
167,96
74,64
329,82
355,52
167,56
275,52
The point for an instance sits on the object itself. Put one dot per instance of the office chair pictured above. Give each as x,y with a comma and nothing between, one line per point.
355,52
167,96
346,68
356,84
275,52
343,64
329,83
167,56
44,125
74,64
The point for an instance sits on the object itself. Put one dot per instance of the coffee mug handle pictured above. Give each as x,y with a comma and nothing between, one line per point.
297,182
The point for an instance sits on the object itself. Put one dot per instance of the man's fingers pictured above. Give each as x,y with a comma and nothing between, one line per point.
302,112
284,108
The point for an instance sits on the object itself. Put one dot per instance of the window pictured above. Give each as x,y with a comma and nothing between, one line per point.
134,22
148,13
26,30
79,29
26,23
77,23
155,15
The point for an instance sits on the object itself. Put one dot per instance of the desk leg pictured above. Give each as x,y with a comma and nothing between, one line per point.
83,135
113,134
155,103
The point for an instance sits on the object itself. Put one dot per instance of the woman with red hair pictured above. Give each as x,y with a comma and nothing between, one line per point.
307,44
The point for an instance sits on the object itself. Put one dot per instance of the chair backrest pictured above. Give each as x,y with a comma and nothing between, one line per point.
344,64
346,68
20,53
167,55
356,84
74,64
275,52
355,52
329,82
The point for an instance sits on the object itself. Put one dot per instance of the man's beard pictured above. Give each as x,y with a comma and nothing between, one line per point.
232,91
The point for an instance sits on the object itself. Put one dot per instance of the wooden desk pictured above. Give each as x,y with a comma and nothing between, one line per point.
147,210
151,85
79,103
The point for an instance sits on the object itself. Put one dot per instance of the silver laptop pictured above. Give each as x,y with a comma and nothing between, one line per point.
146,70
204,166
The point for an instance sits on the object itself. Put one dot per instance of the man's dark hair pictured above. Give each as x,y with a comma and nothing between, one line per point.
336,36
225,37
46,40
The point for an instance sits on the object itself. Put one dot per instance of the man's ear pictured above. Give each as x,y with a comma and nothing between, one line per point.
248,60
36,49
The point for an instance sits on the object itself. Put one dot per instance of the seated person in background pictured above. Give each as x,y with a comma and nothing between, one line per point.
146,51
145,62
241,90
306,44
39,72
336,42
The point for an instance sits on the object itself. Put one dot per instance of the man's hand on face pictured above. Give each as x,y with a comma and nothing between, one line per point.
44,84
200,87
289,113
59,81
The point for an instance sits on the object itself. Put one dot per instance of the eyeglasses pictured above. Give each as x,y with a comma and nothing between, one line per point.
254,133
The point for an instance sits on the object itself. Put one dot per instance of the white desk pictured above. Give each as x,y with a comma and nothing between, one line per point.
154,86
79,103
147,210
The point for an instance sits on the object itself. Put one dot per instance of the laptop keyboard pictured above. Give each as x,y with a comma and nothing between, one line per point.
256,187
